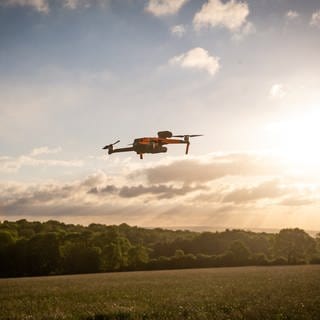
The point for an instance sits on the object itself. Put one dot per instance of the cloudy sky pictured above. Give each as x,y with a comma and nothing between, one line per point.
76,75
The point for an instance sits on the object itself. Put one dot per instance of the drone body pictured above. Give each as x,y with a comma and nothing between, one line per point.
153,144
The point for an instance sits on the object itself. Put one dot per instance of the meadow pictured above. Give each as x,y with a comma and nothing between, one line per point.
286,292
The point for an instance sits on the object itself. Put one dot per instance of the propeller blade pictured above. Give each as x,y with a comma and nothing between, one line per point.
110,145
188,135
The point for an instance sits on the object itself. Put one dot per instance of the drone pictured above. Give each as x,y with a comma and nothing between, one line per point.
153,144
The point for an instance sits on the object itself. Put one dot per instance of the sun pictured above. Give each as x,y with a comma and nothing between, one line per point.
297,140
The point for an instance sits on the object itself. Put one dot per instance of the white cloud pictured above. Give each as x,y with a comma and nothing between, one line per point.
164,7
178,30
72,4
268,189
14,164
277,91
211,168
197,58
39,5
43,5
44,150
247,29
291,15
315,19
231,15
206,190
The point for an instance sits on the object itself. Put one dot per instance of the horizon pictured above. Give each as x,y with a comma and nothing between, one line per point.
76,75
196,229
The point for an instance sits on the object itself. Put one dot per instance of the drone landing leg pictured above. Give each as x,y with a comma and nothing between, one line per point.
187,147
141,156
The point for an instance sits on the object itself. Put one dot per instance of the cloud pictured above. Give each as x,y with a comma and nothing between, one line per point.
197,58
277,91
215,167
315,19
231,15
247,29
14,164
160,191
45,150
92,195
230,190
176,182
19,195
178,30
164,7
163,191
268,189
108,189
298,200
95,189
74,4
38,5
43,6
292,15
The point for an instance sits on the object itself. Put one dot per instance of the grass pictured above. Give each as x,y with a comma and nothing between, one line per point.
221,293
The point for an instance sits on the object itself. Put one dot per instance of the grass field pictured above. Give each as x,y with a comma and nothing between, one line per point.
222,293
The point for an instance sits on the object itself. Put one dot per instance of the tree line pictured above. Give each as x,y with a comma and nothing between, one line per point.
52,247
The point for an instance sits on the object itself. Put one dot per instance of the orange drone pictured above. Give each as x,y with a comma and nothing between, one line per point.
153,144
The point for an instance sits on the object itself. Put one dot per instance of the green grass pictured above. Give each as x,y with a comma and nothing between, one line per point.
221,293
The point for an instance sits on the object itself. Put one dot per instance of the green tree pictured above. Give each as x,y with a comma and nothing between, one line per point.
240,251
6,242
16,259
138,255
294,244
78,258
6,238
43,255
116,254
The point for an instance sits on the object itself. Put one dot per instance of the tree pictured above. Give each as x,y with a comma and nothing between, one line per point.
294,244
6,242
116,253
43,255
15,262
240,251
78,258
6,238
137,256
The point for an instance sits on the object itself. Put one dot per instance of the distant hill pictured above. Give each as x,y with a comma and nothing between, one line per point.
313,233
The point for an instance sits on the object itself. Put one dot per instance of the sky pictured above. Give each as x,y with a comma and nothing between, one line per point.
76,75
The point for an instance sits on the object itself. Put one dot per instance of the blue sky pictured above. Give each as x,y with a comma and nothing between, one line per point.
78,74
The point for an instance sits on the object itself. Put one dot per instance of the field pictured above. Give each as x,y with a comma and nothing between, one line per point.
221,293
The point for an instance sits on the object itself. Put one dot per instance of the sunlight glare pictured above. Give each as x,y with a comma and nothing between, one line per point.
296,140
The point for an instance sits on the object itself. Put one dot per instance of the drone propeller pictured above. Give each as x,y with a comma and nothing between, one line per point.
186,139
188,135
109,146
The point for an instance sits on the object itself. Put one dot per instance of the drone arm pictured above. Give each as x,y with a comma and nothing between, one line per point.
123,149
172,141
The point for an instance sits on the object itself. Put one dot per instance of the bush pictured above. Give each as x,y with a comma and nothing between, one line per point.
279,261
260,259
315,259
